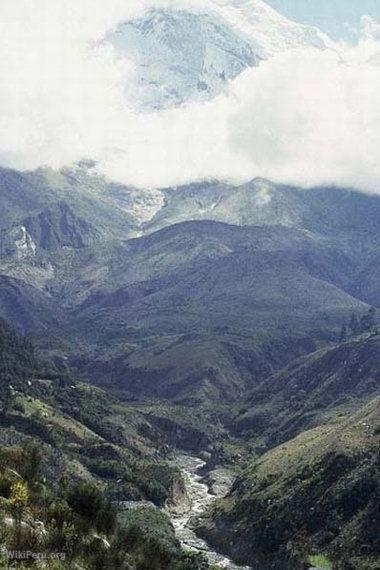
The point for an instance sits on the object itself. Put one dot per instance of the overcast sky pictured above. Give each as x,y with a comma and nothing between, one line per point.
304,117
335,17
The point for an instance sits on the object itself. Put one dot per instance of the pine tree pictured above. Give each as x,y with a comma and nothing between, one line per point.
354,324
368,321
343,334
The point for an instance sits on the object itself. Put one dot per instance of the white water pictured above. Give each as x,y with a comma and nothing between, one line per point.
199,499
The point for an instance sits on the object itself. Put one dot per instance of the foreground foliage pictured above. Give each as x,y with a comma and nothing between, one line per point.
66,469
75,523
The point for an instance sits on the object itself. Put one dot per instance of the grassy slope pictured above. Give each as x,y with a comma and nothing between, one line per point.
209,308
26,194
84,432
91,447
312,390
316,493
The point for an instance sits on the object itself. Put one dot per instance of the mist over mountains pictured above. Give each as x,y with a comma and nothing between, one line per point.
189,263
192,55
133,86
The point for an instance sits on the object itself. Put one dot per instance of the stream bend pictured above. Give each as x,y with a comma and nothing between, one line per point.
199,499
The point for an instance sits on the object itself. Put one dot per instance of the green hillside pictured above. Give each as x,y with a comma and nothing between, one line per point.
316,494
70,456
312,390
207,306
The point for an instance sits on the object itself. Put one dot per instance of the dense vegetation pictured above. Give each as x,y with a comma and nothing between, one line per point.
65,523
312,390
315,497
67,466
40,400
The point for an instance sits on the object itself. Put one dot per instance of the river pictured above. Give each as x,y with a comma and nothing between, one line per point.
199,498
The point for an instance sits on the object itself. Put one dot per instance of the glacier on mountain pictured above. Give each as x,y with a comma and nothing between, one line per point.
190,55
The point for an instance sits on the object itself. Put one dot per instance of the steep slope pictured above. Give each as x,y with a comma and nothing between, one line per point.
312,390
190,54
366,285
85,434
318,493
181,56
255,297
23,303
271,30
73,199
50,224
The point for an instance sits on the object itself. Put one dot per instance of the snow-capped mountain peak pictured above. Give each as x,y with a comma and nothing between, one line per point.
182,55
186,54
272,31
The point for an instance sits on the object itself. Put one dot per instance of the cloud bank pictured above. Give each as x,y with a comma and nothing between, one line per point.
306,117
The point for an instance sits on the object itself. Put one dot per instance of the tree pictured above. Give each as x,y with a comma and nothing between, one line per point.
88,502
9,397
343,334
368,321
19,498
32,462
354,324
18,502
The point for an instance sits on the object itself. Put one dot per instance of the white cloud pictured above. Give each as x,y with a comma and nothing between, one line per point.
369,28
311,118
305,117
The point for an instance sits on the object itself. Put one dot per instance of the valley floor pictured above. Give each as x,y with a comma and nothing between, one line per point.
199,498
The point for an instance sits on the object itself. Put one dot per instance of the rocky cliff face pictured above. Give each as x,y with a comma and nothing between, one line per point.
18,243
59,227
52,229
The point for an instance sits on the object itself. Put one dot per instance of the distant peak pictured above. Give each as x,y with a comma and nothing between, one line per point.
187,54
262,183
253,6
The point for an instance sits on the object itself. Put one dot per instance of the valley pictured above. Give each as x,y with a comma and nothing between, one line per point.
315,494
154,314
189,285
237,328
199,499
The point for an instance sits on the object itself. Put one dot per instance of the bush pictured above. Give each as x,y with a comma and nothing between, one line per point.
149,535
5,485
88,502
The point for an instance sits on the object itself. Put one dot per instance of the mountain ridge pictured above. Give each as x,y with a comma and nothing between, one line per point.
289,266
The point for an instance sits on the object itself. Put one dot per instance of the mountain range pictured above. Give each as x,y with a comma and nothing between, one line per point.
242,278
237,322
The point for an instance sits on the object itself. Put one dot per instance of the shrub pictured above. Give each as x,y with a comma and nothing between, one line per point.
88,502
5,485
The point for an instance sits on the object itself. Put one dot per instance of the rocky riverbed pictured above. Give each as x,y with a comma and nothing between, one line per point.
198,499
